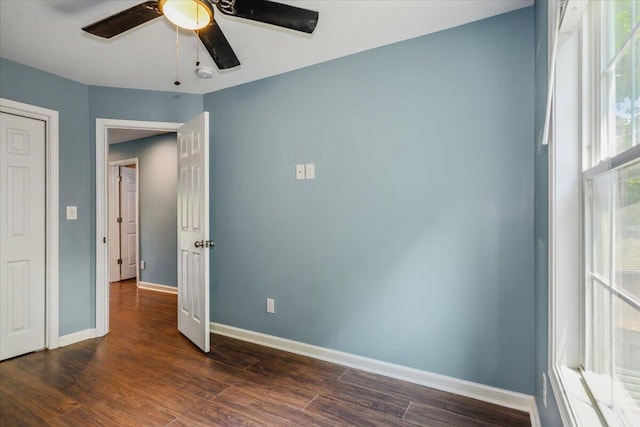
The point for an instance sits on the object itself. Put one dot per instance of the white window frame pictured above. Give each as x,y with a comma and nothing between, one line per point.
565,205
574,99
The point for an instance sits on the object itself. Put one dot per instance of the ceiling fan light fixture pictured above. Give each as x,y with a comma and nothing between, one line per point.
187,14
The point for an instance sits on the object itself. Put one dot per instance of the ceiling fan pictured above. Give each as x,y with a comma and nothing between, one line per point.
198,15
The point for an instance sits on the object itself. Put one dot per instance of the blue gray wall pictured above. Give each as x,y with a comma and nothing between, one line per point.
71,100
157,177
549,415
414,244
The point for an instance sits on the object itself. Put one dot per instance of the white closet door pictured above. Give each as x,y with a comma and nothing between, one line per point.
22,235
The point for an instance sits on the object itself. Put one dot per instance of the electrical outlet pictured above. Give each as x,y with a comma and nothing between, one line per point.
300,172
142,265
544,389
271,305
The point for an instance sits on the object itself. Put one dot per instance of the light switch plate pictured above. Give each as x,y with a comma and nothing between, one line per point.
299,171
310,171
72,213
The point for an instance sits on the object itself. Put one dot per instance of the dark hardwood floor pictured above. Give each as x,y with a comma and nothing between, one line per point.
145,373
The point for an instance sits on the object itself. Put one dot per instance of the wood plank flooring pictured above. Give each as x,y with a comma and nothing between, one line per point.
145,373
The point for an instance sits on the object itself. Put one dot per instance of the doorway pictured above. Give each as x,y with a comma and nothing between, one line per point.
124,220
142,179
48,175
193,244
105,245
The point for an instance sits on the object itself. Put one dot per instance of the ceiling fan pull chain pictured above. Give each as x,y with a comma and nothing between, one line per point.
197,36
197,49
177,82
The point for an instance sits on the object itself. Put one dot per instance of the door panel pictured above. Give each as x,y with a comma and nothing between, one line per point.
18,199
18,295
193,226
22,235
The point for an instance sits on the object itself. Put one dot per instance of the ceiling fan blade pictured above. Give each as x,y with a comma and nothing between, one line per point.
125,20
218,47
281,15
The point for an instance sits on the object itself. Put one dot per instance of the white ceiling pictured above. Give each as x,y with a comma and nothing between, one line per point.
47,35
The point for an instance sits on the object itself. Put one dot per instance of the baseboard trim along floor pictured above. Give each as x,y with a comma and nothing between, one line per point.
498,396
158,288
76,337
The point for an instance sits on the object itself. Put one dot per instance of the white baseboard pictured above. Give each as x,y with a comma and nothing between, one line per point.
535,415
498,396
75,337
159,288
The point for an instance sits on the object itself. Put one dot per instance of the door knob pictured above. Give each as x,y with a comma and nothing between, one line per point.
204,243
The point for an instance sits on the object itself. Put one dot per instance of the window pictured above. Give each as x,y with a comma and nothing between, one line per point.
594,218
612,303
621,54
611,213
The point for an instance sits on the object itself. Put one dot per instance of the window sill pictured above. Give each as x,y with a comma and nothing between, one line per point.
576,407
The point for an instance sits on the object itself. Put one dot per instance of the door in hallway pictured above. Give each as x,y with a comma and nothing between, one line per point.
128,224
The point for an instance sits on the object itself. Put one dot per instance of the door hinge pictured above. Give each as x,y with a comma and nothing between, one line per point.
120,261
119,220
119,179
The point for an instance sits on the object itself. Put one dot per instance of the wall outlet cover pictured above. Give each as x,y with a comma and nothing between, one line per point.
271,306
310,171
72,213
299,171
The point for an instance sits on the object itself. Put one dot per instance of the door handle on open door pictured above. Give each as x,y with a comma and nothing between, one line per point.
204,243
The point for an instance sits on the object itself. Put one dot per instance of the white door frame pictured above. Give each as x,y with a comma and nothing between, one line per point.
102,253
50,117
115,202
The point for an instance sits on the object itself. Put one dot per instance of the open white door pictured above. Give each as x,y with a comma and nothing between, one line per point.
128,225
193,230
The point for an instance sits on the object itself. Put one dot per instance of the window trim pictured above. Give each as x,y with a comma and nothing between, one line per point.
566,314
563,323
575,403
